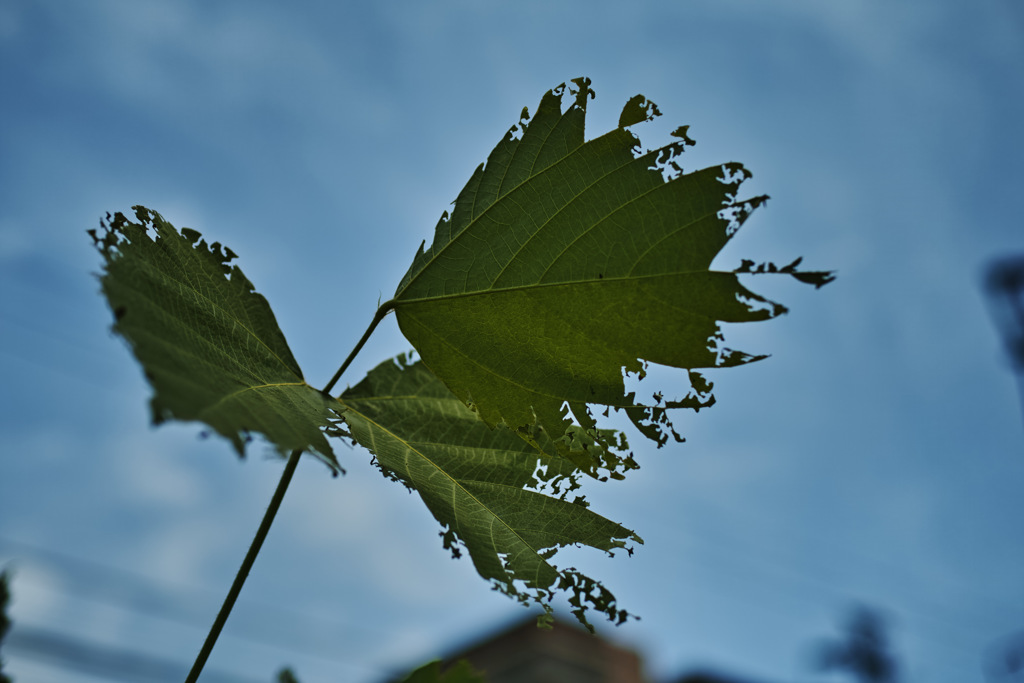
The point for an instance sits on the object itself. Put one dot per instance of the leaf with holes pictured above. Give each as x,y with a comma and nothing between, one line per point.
566,263
208,343
502,498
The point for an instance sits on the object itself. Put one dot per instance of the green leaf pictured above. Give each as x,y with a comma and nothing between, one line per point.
208,343
565,263
460,672
503,498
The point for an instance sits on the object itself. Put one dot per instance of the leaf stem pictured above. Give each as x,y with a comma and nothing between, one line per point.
382,311
243,571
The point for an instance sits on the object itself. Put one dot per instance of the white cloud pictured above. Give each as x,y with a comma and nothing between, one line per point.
156,52
36,593
152,476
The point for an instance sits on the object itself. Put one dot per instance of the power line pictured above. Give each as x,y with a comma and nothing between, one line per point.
291,629
113,664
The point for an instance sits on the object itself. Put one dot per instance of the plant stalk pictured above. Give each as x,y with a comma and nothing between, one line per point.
243,571
268,517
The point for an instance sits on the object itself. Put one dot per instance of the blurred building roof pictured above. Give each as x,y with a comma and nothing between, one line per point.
562,654
565,653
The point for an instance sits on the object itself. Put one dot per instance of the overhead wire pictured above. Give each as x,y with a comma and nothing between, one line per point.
278,626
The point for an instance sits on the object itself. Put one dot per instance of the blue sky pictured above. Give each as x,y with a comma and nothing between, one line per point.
877,457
